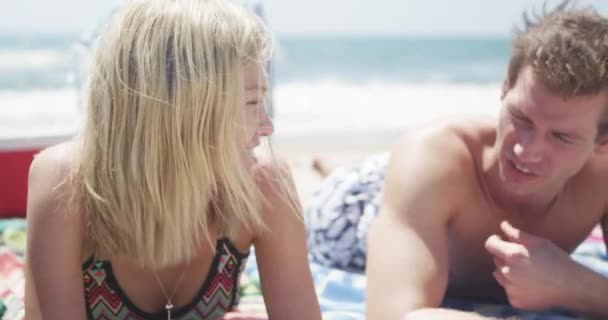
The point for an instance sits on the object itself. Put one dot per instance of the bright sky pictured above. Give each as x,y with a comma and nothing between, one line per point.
309,17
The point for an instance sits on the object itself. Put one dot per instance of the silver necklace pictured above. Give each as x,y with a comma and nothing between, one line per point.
169,305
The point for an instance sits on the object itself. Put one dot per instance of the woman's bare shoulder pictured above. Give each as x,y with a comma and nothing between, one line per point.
275,181
54,161
49,188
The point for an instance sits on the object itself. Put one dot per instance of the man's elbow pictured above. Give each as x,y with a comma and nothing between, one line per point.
397,312
418,314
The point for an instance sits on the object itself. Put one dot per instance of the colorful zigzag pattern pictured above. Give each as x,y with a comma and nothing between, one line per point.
106,301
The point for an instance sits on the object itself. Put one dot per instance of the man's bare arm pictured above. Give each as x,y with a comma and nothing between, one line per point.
590,298
407,266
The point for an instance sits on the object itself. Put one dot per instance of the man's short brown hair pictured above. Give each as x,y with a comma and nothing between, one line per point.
568,49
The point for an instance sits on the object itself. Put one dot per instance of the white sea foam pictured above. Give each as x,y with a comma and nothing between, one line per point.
304,111
366,113
17,59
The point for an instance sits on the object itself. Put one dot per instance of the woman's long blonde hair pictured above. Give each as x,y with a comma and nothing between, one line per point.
161,151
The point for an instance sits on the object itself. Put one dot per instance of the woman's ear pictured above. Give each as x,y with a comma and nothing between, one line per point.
504,89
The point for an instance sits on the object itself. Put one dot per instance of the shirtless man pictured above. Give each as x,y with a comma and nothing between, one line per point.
489,211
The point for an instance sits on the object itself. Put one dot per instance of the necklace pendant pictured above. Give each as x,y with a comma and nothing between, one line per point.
169,307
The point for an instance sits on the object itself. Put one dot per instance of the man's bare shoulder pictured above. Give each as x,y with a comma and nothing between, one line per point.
434,158
456,142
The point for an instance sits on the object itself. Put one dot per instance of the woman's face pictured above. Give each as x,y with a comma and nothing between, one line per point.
257,122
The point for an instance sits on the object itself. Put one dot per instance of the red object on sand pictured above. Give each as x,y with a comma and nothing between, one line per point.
16,155
14,167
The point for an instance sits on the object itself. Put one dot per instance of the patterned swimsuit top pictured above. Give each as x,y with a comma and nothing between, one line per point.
218,295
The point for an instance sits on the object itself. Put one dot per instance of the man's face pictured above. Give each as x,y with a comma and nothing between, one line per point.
543,138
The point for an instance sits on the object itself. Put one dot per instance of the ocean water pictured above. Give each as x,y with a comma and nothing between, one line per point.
392,59
321,85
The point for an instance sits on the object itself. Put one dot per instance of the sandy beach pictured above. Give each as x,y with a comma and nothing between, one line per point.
332,151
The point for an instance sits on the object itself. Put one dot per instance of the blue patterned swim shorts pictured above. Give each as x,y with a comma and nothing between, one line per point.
340,212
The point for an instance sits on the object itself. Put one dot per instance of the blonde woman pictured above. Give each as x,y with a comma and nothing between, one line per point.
151,212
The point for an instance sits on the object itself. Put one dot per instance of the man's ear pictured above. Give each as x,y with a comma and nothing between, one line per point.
601,143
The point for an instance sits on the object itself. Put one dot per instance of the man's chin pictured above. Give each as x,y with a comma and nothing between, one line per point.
519,188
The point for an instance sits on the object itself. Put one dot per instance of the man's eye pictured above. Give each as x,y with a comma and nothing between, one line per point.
562,137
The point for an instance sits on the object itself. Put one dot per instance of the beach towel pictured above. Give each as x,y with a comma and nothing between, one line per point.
341,293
